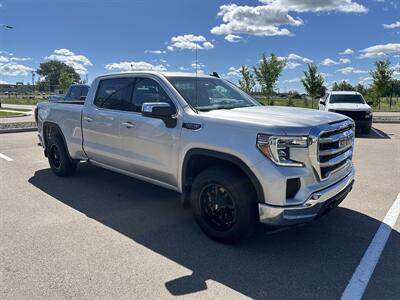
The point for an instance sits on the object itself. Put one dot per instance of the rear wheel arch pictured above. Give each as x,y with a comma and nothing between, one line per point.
52,130
197,160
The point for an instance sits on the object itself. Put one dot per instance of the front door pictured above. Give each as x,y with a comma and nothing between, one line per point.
150,148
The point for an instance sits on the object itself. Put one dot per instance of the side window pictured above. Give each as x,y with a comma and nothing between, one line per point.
148,90
85,90
75,92
114,94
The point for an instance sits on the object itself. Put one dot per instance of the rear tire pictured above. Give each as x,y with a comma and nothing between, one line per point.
60,162
224,204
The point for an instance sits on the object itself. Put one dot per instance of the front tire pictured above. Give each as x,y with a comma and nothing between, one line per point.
60,162
224,205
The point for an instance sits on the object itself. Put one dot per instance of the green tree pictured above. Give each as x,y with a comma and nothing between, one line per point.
372,94
342,86
52,70
313,83
335,86
360,88
65,80
247,81
267,73
381,78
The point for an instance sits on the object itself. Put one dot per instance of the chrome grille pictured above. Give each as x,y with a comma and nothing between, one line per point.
331,147
335,148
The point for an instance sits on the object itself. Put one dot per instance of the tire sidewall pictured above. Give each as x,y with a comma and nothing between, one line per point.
242,196
66,167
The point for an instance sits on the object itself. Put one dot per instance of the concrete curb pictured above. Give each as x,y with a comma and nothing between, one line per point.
16,130
386,120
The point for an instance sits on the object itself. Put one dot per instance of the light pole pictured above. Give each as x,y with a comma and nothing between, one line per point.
33,83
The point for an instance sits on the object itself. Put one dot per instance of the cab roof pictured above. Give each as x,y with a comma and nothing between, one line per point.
344,93
166,74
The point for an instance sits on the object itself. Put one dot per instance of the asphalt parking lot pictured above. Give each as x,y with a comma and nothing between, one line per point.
104,235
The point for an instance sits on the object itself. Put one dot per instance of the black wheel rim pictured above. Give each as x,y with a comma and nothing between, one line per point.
217,207
55,156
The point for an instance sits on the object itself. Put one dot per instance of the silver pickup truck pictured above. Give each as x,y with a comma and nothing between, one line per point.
235,162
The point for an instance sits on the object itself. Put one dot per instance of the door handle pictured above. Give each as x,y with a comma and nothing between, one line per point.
128,124
88,119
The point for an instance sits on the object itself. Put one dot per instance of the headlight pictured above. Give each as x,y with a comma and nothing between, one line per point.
368,114
277,148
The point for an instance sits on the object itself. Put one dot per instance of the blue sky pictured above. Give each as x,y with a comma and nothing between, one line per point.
101,36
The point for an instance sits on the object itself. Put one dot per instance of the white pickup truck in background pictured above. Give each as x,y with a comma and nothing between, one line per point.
235,162
351,104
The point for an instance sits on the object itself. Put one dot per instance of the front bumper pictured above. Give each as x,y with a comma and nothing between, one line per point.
363,124
318,203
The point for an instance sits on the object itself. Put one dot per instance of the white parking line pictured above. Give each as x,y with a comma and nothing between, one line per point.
358,283
5,157
378,132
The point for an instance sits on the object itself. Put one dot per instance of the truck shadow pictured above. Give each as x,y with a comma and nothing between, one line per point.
374,134
312,261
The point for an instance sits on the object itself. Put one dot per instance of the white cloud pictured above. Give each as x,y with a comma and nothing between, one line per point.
134,66
155,51
76,61
330,62
3,82
293,56
4,59
351,70
380,50
292,65
348,51
267,19
64,51
345,6
189,41
14,69
233,72
293,80
392,26
233,38
20,58
260,20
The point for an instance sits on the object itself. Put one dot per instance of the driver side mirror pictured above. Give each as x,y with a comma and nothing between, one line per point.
370,103
322,101
160,110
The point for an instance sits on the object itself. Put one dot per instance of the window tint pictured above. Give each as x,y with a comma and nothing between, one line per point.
75,92
210,93
85,90
343,98
148,90
115,94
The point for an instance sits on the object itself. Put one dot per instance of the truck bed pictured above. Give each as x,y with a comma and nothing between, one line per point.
67,115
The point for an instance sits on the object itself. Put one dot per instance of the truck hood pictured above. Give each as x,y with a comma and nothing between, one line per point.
349,106
289,119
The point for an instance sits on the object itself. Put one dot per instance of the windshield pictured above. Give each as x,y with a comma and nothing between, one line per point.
346,99
212,93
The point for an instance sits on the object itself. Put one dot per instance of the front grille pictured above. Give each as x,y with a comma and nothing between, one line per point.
335,148
355,115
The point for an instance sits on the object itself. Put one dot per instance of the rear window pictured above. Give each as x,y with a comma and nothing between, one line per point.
115,94
346,99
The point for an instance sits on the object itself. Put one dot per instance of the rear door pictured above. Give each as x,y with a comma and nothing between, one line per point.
101,121
149,147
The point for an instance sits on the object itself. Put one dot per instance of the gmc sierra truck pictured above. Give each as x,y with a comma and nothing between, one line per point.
235,162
